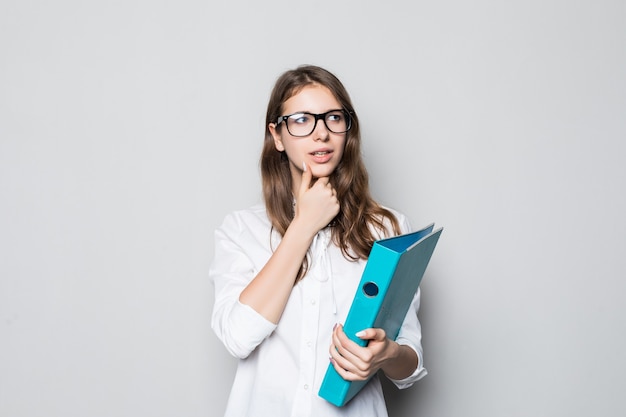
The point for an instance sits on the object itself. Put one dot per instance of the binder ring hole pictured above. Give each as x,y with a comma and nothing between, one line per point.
370,289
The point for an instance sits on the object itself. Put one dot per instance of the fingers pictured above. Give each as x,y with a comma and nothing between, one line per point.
317,199
307,180
346,363
372,334
316,203
354,362
333,192
346,347
307,176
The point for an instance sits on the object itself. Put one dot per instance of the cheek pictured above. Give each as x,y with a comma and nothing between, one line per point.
342,148
294,154
289,149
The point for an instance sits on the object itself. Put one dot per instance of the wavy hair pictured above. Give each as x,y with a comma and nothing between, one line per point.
361,220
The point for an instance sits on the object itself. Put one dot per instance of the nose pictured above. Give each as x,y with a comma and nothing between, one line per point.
320,133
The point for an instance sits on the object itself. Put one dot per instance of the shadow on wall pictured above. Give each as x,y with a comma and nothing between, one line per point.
406,402
400,403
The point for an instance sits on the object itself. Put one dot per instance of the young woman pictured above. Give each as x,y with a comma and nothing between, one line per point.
285,271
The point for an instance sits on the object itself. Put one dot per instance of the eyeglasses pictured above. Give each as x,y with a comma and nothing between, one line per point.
304,123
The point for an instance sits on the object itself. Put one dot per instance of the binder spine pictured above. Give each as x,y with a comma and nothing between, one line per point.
367,302
371,294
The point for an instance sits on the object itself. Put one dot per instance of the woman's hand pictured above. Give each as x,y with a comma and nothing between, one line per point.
317,204
357,363
354,362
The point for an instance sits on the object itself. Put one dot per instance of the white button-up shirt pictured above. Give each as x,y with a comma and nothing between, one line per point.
281,366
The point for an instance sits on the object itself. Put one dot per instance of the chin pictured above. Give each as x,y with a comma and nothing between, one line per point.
323,171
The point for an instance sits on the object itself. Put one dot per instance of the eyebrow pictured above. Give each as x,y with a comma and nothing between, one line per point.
311,112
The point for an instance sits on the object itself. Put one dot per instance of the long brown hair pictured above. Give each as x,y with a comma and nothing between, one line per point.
361,220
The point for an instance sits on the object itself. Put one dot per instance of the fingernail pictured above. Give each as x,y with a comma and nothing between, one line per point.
335,326
360,334
304,167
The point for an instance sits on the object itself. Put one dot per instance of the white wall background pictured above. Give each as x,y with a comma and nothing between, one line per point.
128,129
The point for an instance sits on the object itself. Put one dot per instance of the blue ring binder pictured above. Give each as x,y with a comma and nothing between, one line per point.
389,282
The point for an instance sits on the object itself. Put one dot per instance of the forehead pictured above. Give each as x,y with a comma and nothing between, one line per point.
313,98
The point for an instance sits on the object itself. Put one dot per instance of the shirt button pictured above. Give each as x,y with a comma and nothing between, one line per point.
312,302
308,343
306,387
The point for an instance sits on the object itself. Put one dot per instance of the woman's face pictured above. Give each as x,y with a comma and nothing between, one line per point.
321,150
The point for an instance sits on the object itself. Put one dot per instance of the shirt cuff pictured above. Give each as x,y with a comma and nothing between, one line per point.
249,327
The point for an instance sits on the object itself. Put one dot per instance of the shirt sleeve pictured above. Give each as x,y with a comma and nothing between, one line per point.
411,336
240,328
411,331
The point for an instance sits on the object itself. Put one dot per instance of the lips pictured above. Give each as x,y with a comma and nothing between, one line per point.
322,155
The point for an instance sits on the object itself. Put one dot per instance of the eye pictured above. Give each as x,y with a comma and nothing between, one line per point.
335,117
300,118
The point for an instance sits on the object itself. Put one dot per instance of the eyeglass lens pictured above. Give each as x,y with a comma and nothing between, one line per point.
303,124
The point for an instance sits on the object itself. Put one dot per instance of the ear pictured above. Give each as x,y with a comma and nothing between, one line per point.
278,141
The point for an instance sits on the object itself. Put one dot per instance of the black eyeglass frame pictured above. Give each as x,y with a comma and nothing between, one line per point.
320,116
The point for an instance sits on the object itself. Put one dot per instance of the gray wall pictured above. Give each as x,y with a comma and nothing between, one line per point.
128,129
